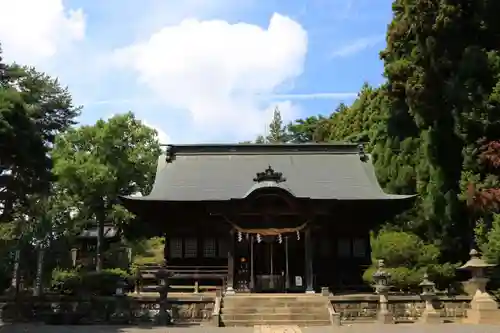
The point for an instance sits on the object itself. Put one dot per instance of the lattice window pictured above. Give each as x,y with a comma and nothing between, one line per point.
359,248
175,248
344,247
209,248
325,247
190,248
223,248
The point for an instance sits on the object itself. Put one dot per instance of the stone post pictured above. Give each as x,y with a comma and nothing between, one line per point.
483,308
430,315
381,283
1,314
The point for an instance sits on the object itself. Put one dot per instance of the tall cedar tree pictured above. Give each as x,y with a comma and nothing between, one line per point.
441,87
277,131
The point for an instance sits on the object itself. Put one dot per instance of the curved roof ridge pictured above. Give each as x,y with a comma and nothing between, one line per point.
262,149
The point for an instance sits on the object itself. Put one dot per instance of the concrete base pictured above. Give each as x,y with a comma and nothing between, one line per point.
490,317
310,292
230,291
430,318
385,318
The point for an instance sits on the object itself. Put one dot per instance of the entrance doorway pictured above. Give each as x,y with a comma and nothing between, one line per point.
279,266
269,265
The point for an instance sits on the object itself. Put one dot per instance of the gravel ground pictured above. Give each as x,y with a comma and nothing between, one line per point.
361,328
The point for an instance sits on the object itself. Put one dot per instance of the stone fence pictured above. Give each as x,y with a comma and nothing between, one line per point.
68,310
404,308
198,309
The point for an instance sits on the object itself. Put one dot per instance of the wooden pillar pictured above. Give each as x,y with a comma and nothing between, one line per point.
230,264
165,250
308,261
252,281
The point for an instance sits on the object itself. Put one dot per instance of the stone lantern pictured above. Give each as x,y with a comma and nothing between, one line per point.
164,316
120,315
430,315
120,286
483,308
381,280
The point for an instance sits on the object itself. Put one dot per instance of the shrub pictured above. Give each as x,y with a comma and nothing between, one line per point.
407,258
89,283
65,281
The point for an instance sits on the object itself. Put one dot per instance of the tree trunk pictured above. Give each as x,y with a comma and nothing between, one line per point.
37,290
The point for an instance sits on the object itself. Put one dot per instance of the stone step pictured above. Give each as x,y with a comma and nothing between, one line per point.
274,316
243,301
274,305
300,323
289,310
306,298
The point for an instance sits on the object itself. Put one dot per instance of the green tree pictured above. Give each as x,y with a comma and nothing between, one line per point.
99,163
34,108
260,139
311,129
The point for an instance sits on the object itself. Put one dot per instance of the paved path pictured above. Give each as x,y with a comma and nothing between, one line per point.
356,328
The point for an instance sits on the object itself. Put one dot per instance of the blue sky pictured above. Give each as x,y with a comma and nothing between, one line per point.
201,70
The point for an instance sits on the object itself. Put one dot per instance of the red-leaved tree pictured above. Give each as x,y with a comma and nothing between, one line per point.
486,199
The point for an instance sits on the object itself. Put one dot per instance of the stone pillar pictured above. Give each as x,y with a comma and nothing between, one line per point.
1,314
308,261
430,315
483,308
230,264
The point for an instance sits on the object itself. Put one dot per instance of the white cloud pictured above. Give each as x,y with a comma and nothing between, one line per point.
163,137
325,95
357,46
216,71
34,30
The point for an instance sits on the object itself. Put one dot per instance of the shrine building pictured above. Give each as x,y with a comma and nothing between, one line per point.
267,217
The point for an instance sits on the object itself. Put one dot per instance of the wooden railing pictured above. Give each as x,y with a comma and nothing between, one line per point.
190,278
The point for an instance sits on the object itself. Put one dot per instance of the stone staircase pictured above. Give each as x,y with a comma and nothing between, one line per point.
275,309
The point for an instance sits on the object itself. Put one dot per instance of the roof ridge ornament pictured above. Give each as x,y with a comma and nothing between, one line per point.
269,175
362,154
169,153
